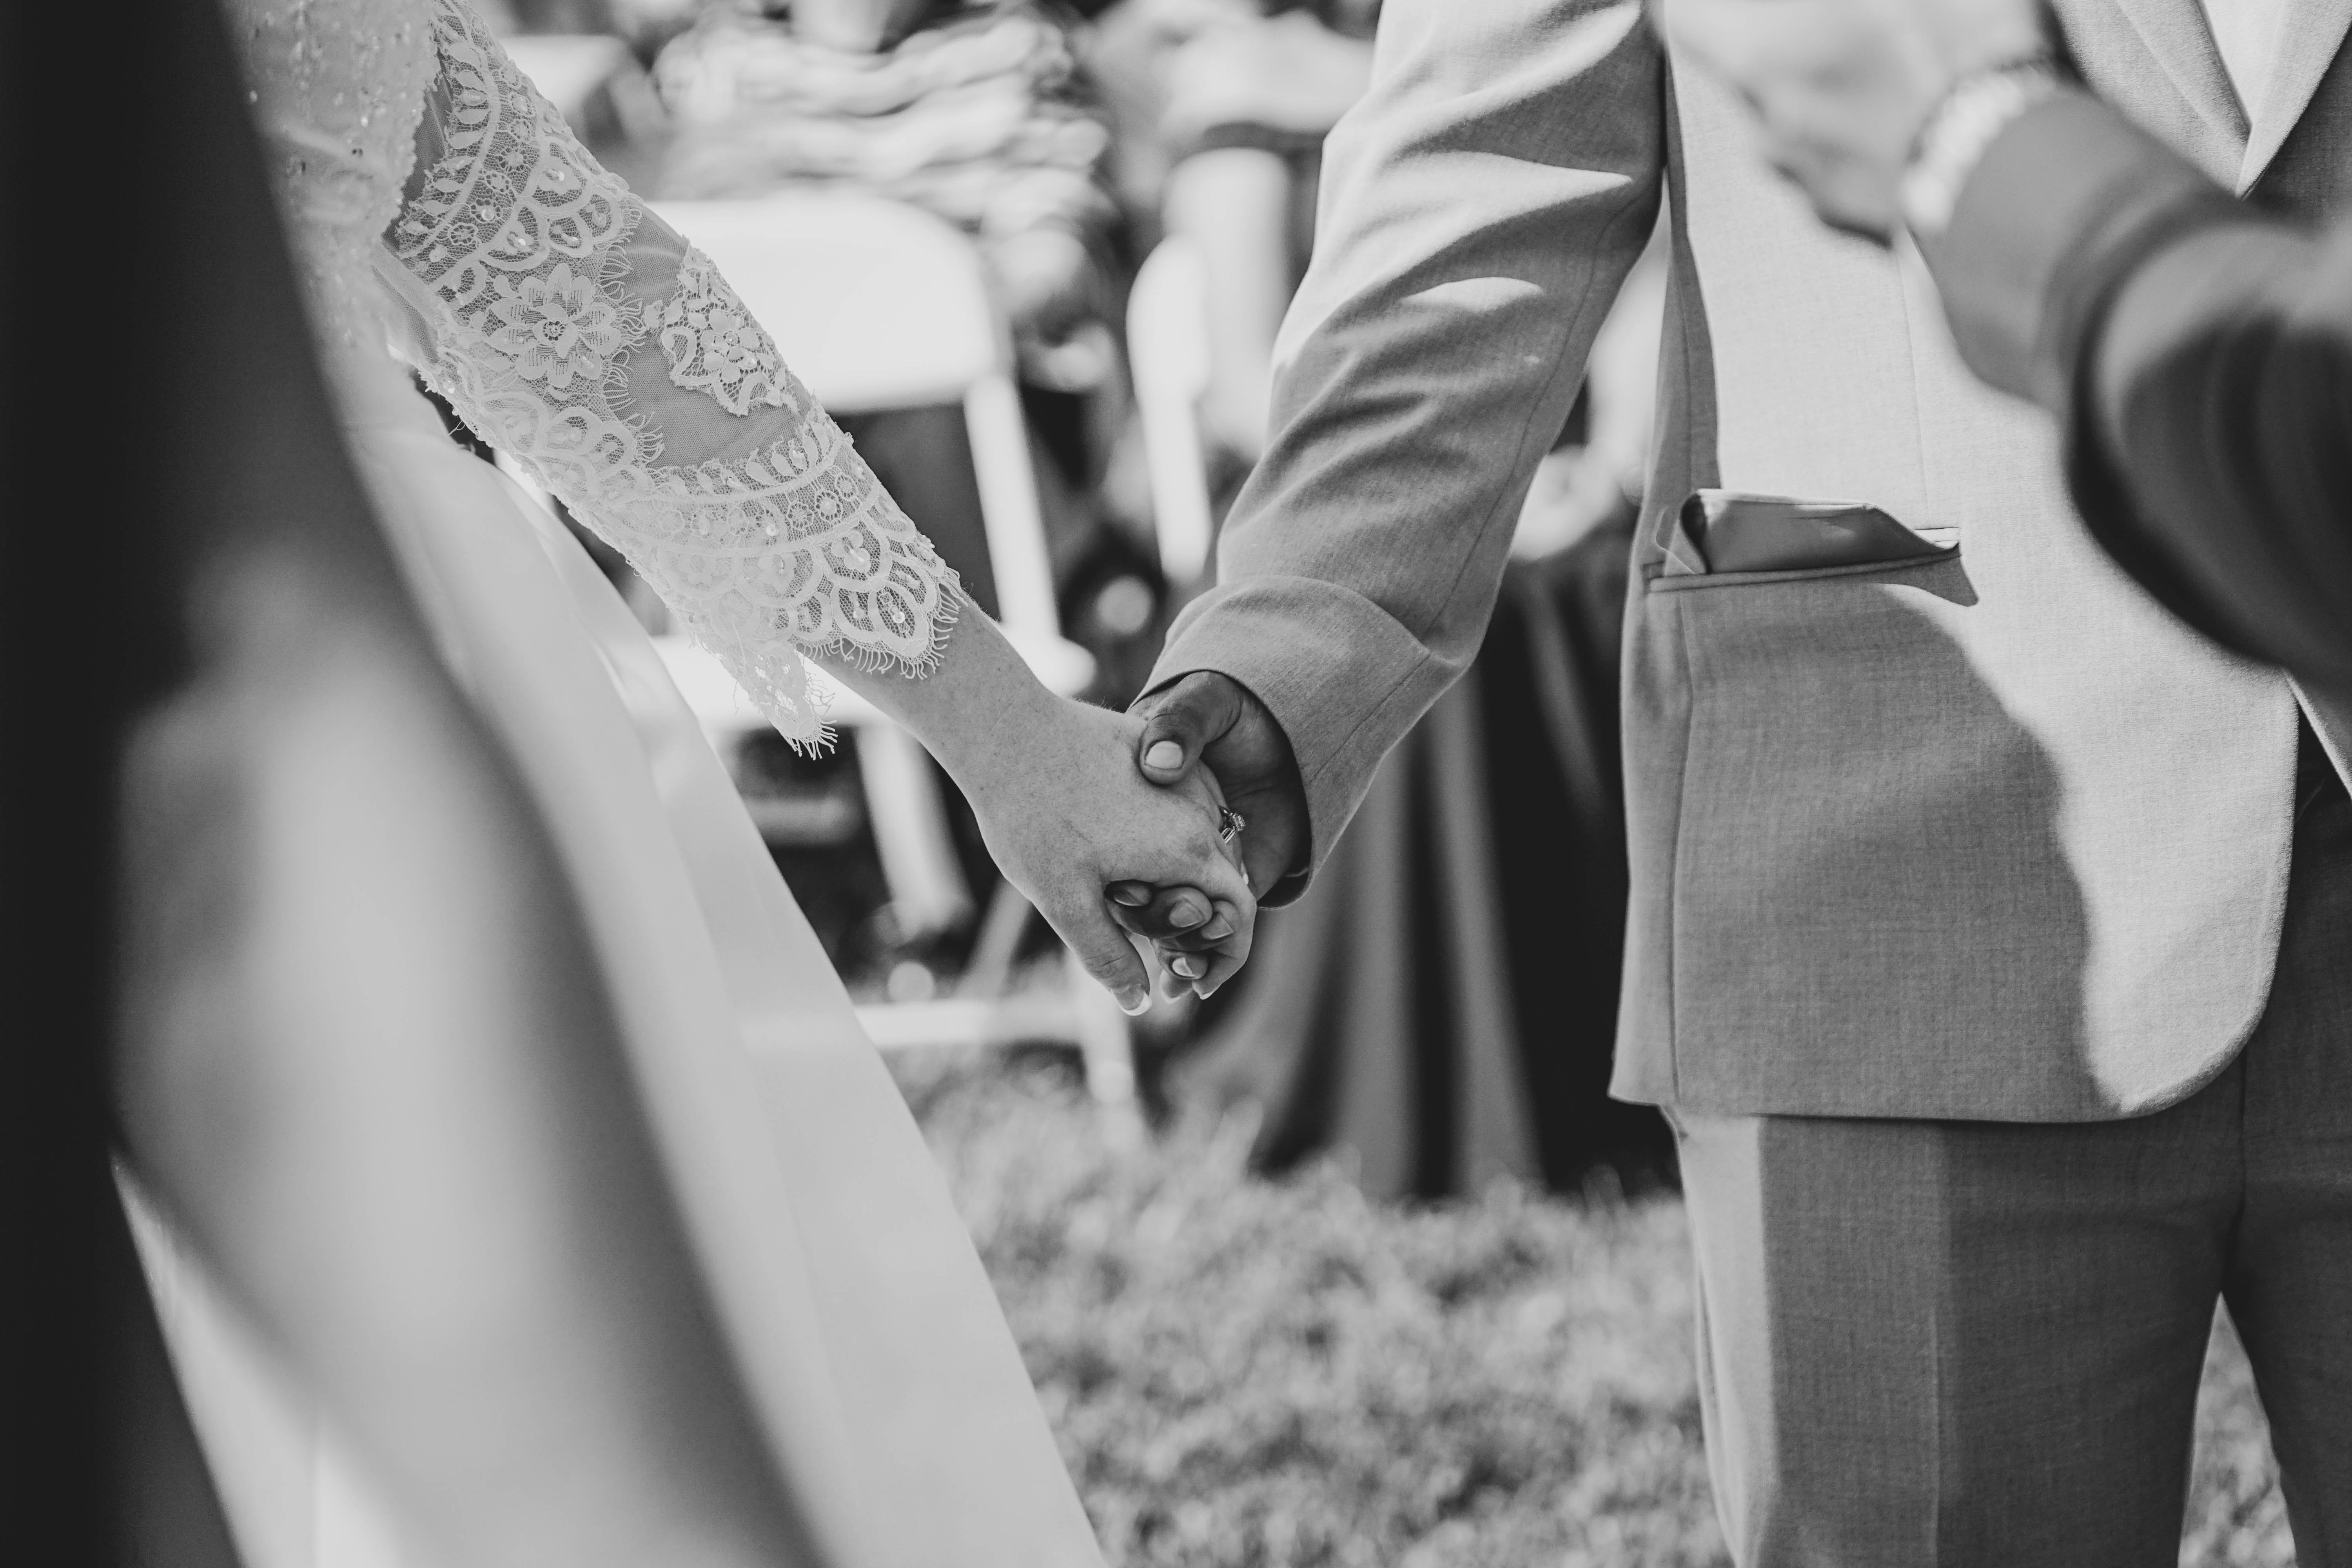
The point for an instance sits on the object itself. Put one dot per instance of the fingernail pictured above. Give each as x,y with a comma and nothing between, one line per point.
1135,1004
1186,915
1218,929
1133,895
1189,967
1164,754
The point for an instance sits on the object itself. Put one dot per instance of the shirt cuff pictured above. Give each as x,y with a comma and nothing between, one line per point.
1342,677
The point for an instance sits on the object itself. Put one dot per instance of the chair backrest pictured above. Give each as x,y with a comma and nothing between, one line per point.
1168,346
587,77
877,305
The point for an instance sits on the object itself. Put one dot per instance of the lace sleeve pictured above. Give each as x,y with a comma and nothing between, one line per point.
575,330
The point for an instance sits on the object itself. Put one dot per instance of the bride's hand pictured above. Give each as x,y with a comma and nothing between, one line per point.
1064,809
1065,814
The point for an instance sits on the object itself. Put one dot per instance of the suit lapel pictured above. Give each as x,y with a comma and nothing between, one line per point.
2176,33
2309,34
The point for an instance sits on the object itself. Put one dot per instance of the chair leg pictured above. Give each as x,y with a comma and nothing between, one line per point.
911,829
1001,930
1105,1043
1009,508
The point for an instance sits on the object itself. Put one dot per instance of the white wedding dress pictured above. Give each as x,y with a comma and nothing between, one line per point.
581,335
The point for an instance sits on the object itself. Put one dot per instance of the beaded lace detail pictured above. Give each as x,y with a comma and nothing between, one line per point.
523,254
713,345
337,86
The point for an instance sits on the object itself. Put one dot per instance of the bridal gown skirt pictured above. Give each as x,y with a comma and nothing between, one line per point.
870,1346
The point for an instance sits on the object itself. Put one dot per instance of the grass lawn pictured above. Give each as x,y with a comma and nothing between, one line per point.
1248,1375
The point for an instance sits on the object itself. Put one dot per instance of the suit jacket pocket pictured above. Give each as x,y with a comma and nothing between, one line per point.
1917,571
1856,838
1735,532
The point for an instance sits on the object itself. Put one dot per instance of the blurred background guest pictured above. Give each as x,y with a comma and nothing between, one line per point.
1221,107
972,109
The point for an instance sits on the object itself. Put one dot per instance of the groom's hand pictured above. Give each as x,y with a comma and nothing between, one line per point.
1211,720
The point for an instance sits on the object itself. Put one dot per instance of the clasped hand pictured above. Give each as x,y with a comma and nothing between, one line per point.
1114,826
1065,815
1207,726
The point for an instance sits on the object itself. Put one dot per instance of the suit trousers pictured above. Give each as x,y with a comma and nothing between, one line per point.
1981,1343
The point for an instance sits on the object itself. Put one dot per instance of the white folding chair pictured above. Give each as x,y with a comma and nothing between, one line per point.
879,306
1168,349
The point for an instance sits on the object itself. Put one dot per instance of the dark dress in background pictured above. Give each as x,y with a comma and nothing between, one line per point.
1439,1009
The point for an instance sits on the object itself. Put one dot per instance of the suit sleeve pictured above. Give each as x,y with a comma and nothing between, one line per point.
2200,353
1480,208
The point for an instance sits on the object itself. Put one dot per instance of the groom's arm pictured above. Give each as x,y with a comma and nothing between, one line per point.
1479,208
2198,351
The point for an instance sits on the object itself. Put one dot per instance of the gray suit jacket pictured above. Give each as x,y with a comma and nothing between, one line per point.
1987,835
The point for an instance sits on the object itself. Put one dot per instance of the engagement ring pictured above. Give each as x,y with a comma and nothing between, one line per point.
1229,823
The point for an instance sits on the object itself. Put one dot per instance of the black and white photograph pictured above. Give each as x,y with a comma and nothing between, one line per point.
1179,784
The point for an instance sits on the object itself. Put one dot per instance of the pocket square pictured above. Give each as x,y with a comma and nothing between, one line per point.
1732,532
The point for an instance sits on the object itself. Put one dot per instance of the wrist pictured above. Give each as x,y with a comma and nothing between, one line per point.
986,746
1965,122
1276,793
978,712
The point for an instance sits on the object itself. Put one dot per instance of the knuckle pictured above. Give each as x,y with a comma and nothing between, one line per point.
1195,699
1178,717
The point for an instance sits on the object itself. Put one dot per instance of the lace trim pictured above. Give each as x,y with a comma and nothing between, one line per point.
517,238
513,191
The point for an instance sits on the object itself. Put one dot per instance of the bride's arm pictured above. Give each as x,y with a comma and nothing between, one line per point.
577,332
582,336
